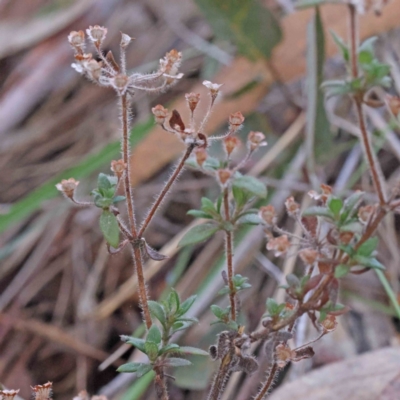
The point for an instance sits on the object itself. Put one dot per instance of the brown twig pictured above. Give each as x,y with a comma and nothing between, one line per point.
229,257
165,190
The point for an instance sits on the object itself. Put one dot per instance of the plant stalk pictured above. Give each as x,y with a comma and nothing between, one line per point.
229,257
267,385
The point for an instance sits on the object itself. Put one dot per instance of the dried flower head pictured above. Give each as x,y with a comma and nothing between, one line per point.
93,69
170,64
283,354
393,103
230,144
213,88
125,40
236,120
346,237
280,245
43,392
160,113
68,187
308,256
201,155
192,100
292,208
118,167
120,83
77,40
97,34
365,213
8,394
255,140
326,192
268,215
223,176
329,324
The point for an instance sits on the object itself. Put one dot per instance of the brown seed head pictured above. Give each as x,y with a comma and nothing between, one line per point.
255,140
192,100
236,120
345,237
118,167
283,354
160,113
365,213
308,256
77,39
280,245
329,324
292,208
42,392
93,69
230,144
97,34
201,155
268,214
224,176
68,187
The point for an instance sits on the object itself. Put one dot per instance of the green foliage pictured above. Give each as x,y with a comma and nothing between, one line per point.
247,23
249,185
109,227
223,316
104,194
198,234
239,282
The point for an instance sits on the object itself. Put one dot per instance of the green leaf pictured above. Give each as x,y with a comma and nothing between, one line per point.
153,335
336,88
174,301
250,185
247,23
211,163
182,325
368,45
219,312
317,211
207,205
368,247
369,262
140,368
117,199
137,342
350,204
193,350
151,349
341,46
157,310
185,306
198,234
241,197
109,227
341,271
318,135
176,362
273,307
106,182
172,347
199,214
250,219
335,205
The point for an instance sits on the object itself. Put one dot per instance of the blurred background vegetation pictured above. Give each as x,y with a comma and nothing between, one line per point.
64,300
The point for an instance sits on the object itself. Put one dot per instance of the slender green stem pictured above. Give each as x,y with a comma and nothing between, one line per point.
389,291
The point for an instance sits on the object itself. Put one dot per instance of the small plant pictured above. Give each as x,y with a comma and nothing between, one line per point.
337,233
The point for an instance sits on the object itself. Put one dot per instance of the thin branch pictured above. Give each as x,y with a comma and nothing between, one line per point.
165,190
267,385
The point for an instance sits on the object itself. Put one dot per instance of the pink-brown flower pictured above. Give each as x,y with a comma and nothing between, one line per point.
68,187
279,245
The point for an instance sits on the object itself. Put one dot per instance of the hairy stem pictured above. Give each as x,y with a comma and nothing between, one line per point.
267,385
229,257
165,190
221,379
358,99
161,386
131,215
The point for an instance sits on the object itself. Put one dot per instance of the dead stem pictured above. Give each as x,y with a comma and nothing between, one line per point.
267,385
165,190
229,257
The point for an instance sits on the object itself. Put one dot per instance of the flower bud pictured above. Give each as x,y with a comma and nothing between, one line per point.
192,100
160,113
280,245
235,120
42,392
268,215
255,140
68,187
97,34
201,155
118,167
224,176
230,144
77,39
292,208
308,256
125,40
